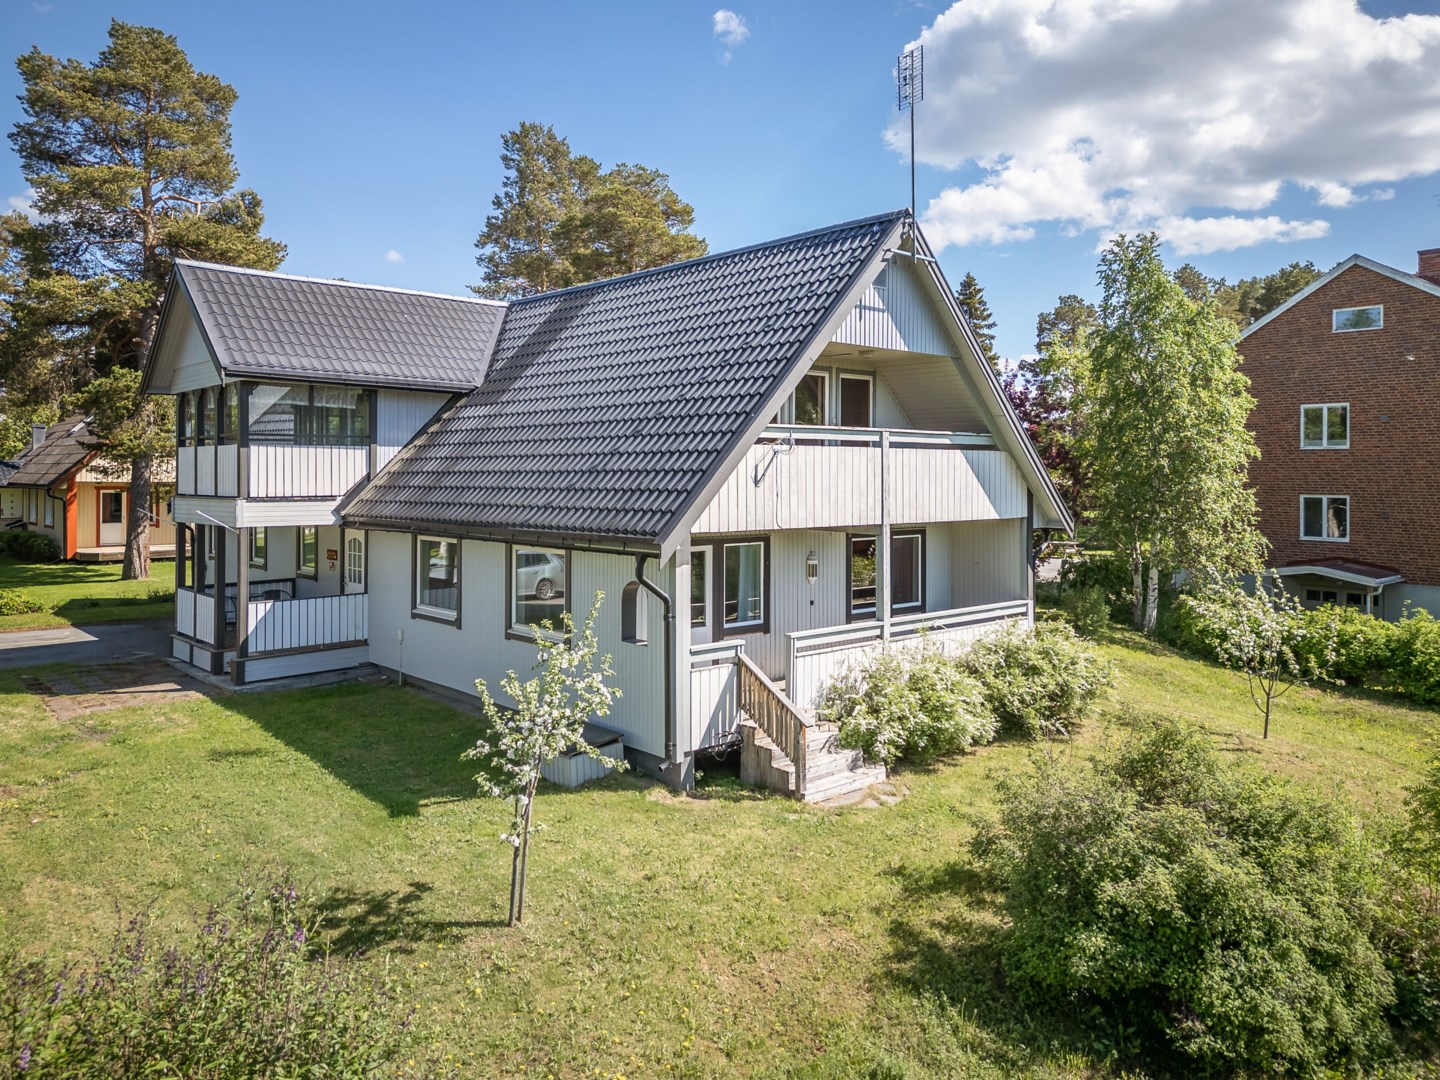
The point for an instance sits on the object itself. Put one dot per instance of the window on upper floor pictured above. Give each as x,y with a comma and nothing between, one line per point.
1325,427
309,416
1370,317
1325,517
230,414
207,425
810,403
857,393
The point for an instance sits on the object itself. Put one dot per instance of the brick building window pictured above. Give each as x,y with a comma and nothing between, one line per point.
1324,427
1370,317
1324,517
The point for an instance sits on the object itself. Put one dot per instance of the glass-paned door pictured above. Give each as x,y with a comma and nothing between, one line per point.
112,518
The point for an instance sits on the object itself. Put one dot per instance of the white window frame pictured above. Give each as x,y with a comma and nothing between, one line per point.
707,554
513,627
48,513
430,611
857,376
1325,443
260,532
746,626
355,560
1336,313
823,374
1325,501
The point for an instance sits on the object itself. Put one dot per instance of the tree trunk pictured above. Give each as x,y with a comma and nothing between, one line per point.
1137,574
1152,596
524,854
137,525
514,886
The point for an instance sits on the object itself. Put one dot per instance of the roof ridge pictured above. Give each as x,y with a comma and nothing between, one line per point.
340,282
889,215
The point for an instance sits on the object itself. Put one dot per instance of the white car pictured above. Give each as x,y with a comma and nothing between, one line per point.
540,574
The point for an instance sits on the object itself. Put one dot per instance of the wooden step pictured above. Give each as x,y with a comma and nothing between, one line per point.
844,783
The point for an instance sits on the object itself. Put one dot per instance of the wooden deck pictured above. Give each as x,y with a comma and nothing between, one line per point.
116,552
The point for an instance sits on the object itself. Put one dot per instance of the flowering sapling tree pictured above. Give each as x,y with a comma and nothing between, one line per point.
548,718
1265,635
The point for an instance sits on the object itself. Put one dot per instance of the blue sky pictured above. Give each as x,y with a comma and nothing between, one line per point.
374,128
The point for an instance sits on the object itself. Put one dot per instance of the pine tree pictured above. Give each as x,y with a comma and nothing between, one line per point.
559,220
130,160
971,298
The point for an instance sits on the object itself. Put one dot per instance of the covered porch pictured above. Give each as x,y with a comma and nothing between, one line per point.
266,602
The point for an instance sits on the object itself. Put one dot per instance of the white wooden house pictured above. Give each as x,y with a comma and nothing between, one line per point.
769,460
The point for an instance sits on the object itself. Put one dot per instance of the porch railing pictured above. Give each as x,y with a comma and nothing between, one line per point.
195,615
775,714
817,656
282,625
714,693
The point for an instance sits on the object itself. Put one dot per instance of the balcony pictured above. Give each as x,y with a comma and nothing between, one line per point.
274,471
800,477
275,622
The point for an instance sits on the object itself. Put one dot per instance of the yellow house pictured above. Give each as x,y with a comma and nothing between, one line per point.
64,488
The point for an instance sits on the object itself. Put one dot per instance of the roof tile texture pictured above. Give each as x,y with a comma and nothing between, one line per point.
605,405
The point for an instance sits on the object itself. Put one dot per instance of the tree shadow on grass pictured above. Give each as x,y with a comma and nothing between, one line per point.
950,953
355,921
397,748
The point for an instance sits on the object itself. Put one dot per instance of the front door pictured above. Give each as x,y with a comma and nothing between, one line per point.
112,518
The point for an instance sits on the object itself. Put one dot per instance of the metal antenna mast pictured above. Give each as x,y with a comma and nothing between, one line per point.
910,86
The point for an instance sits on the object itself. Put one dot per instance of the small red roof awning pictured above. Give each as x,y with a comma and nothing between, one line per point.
1346,570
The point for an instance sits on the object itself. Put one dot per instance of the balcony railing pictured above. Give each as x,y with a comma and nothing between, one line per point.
283,625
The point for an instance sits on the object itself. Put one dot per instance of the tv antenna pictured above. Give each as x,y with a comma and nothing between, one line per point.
910,88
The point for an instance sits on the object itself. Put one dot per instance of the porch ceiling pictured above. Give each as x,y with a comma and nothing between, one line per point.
929,389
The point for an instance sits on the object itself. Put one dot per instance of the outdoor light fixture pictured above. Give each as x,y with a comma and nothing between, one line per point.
812,568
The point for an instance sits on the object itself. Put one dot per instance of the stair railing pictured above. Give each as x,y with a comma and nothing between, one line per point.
775,714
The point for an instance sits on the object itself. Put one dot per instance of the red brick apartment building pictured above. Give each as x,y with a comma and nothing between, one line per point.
1346,376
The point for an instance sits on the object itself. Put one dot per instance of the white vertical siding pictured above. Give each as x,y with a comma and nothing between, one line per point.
778,487
208,470
274,625
401,416
987,562
896,315
305,472
714,703
455,656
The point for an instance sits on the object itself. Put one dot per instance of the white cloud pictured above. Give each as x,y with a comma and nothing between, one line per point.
1191,115
393,256
24,203
730,30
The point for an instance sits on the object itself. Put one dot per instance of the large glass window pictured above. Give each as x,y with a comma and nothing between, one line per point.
1324,427
1324,517
855,401
1371,317
185,419
810,395
744,585
207,416
308,562
538,580
907,574
309,416
437,576
699,587
230,414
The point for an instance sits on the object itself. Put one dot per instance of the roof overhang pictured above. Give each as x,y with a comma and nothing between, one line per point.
1413,280
1373,577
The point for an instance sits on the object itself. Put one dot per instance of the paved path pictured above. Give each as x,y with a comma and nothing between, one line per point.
115,643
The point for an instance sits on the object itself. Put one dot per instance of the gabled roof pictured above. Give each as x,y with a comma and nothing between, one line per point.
608,407
60,454
1413,280
338,331
1346,570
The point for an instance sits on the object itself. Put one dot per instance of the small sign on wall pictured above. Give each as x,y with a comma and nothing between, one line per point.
332,554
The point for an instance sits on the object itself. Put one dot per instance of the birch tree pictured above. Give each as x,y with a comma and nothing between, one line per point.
1163,424
548,718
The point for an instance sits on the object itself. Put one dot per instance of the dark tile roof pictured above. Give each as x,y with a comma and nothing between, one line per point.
607,406
337,331
61,452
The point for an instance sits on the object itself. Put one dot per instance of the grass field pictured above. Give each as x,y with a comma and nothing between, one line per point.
82,594
729,933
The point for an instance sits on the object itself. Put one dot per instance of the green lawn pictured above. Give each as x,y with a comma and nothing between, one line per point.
82,594
731,933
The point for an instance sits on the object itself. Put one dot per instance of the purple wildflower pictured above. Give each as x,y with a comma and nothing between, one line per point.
55,997
25,1058
300,935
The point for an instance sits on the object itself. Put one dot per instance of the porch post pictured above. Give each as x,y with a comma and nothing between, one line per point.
242,605
217,658
684,730
882,545
180,557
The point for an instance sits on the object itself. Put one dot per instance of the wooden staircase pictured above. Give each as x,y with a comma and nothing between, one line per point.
786,749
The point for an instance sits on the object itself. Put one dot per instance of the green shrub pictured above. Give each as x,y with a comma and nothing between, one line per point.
1110,573
1411,932
1415,657
1362,644
1039,682
1203,916
1088,610
912,705
30,546
15,602
247,994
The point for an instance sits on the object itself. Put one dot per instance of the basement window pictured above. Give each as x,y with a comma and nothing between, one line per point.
1325,427
1370,317
1325,517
